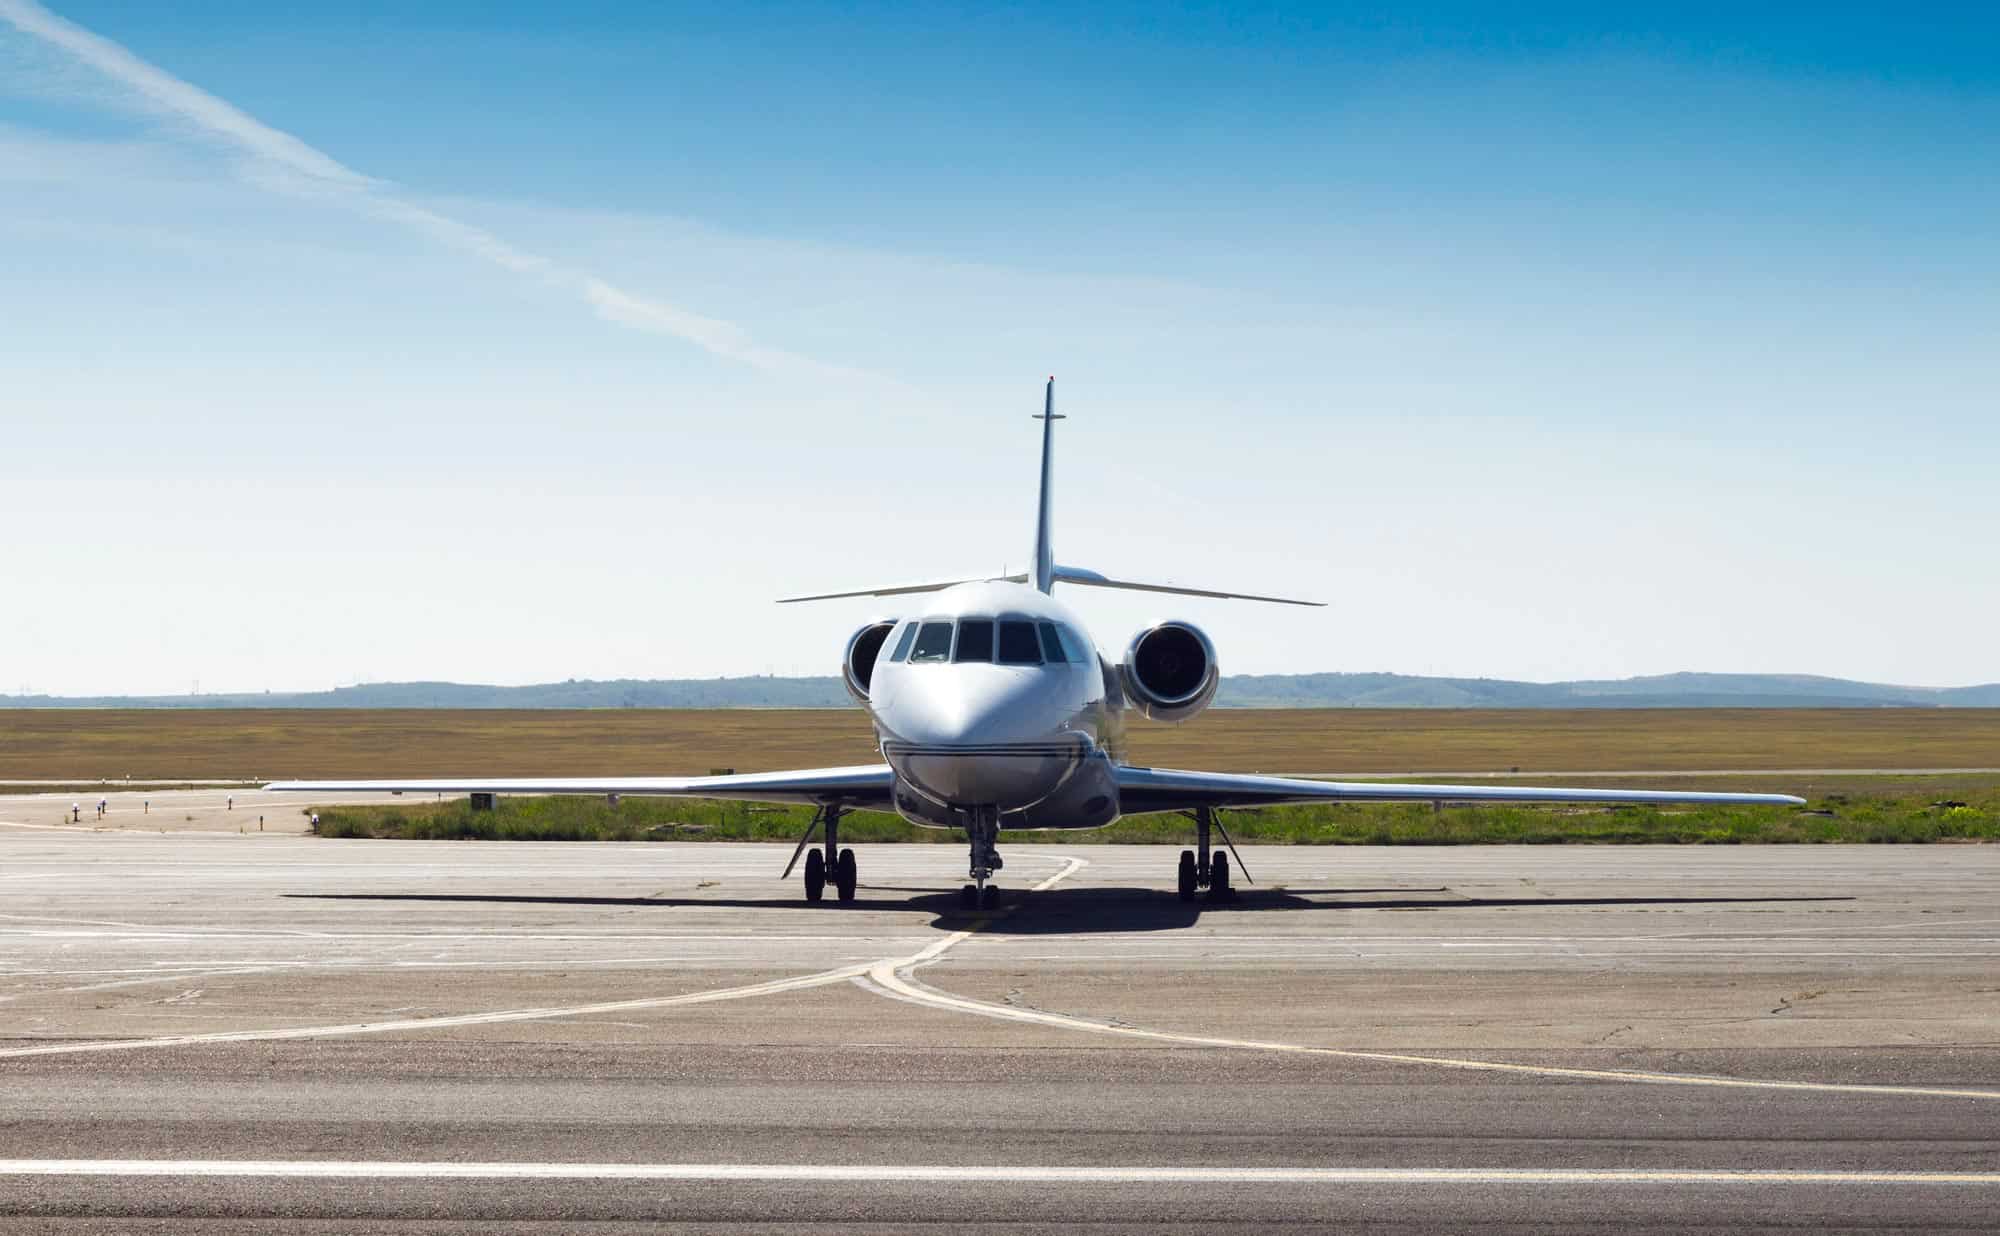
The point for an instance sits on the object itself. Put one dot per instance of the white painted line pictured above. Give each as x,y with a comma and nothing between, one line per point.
140,831
334,1169
823,977
895,977
446,1022
140,931
178,976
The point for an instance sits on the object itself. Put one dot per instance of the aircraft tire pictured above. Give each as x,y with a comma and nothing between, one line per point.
815,875
1218,877
989,897
845,876
1187,875
968,897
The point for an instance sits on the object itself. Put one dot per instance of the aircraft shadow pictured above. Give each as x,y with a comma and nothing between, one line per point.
1085,911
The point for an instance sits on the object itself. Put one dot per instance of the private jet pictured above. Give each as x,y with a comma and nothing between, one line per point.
994,712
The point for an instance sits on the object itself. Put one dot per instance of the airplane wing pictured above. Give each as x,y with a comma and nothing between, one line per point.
1172,789
863,785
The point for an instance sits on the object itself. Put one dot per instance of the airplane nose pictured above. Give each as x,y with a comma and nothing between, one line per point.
980,735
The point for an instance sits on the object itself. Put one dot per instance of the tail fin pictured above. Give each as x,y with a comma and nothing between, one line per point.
1046,574
1045,554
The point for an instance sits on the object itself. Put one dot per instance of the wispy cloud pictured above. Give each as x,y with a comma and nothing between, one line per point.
282,163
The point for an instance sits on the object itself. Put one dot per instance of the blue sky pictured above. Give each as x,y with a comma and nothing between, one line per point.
508,343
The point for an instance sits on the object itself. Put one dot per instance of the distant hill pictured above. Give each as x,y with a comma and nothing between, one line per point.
1684,690
1238,691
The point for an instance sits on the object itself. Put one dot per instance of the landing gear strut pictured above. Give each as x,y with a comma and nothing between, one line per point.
1199,868
982,830
830,863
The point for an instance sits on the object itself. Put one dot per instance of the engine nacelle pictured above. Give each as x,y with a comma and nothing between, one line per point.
1169,672
857,664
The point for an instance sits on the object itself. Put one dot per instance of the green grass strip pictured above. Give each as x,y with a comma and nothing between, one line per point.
1888,817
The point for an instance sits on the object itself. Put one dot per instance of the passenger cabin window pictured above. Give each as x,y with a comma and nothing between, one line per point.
933,643
1018,645
975,640
903,645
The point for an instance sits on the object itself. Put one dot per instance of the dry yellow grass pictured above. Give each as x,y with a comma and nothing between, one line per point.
253,744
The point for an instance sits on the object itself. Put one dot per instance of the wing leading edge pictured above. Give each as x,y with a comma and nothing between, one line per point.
862,785
1172,789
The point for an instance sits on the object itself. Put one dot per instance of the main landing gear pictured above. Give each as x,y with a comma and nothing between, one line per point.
1199,869
830,863
982,830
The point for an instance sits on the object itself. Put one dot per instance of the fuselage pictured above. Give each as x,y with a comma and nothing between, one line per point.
992,695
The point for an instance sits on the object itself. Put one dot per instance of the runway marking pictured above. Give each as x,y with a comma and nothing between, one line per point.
337,1169
445,1022
774,987
142,830
895,977
141,931
1934,923
176,976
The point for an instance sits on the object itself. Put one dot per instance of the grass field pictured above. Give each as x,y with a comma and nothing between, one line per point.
160,745
258,744
1853,810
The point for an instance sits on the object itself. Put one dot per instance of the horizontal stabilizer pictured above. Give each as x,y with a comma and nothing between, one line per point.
1091,579
898,590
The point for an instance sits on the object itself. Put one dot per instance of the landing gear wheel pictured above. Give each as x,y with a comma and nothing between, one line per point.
1187,875
989,897
815,875
1218,878
845,876
968,897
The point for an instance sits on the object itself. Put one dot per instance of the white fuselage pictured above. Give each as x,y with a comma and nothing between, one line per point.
973,710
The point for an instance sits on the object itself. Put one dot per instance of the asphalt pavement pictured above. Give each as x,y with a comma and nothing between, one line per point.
224,1031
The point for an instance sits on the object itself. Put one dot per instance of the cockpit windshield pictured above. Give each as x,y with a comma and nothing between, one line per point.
1018,645
1010,641
933,643
975,640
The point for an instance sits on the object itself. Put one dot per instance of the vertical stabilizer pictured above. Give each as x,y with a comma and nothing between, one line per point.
1045,554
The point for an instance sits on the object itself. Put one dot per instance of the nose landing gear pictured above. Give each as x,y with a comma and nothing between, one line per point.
1200,869
982,830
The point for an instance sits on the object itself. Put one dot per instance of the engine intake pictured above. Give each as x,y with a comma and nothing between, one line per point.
857,664
1170,672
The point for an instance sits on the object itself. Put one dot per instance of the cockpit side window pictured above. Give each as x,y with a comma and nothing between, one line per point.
933,643
1018,645
1073,645
903,643
1052,649
975,640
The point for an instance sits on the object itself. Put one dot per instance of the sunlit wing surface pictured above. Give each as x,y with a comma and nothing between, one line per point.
864,785
1173,789
1091,579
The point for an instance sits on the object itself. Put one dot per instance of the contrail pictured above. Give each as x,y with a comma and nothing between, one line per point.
306,172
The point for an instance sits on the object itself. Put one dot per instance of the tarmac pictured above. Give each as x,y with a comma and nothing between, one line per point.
229,1031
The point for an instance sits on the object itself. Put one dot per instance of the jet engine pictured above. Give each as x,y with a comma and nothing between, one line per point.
1169,672
857,666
